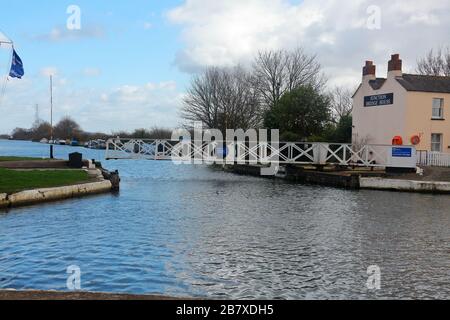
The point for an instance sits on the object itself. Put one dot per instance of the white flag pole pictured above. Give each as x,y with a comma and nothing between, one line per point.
5,82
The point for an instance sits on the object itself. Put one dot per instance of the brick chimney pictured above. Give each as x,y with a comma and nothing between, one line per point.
369,71
395,66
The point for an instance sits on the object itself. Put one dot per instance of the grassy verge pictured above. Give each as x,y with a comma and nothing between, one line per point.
12,181
4,159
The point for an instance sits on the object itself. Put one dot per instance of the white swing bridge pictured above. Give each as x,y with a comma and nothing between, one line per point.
263,153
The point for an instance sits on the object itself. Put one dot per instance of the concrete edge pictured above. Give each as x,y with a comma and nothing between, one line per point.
36,295
36,196
404,185
3,200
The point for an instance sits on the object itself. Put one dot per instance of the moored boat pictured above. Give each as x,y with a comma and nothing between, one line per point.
96,144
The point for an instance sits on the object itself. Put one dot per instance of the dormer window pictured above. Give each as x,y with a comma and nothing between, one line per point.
438,108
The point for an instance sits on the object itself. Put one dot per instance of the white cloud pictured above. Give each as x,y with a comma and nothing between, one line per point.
49,71
59,34
232,31
126,107
147,25
92,72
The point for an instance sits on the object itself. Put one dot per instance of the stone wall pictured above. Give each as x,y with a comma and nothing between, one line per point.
52,194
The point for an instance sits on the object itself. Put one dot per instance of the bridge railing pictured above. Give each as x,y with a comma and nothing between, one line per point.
252,152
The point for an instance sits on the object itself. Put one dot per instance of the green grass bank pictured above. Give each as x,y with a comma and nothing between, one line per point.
12,181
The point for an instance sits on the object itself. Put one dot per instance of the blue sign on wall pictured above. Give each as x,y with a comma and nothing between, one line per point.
402,152
379,100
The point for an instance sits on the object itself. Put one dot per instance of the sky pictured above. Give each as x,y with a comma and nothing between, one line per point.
130,64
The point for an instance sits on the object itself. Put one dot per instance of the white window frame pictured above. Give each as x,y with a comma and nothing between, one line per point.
438,109
435,143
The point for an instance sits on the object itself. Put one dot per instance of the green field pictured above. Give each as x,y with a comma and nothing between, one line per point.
14,181
19,159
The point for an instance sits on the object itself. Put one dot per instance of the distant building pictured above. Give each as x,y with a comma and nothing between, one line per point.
412,108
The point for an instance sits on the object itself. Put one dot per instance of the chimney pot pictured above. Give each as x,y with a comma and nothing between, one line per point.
395,64
369,69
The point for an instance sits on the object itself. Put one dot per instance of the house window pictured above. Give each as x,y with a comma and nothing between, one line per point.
438,108
436,142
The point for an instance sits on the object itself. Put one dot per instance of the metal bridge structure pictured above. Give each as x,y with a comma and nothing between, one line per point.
262,153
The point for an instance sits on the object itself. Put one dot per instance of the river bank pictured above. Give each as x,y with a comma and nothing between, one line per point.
431,180
28,181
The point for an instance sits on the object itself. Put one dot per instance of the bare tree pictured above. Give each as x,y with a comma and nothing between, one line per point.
341,102
222,99
278,72
235,98
435,63
201,103
67,128
41,130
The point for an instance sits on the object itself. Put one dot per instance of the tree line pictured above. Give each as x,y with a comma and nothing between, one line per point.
68,129
283,90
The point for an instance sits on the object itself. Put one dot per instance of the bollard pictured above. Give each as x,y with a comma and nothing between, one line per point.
115,180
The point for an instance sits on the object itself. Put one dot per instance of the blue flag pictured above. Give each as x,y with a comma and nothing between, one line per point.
17,70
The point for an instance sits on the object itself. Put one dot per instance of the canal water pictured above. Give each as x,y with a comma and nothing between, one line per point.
197,232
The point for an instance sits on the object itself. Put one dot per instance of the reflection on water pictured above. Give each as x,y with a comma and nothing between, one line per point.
193,231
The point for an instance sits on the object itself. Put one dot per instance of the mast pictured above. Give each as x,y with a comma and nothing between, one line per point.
36,115
51,117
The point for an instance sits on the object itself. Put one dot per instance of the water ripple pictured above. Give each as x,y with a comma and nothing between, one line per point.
194,231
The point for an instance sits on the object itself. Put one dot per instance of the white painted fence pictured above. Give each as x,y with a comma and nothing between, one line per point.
433,159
